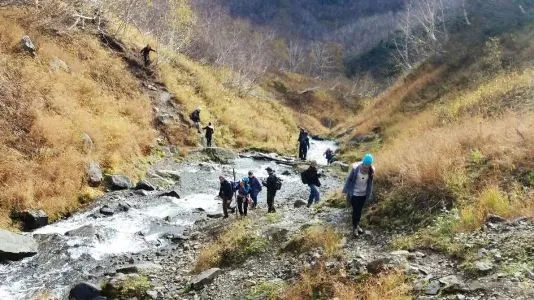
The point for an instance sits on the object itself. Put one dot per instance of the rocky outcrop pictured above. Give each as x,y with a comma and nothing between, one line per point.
27,45
119,182
220,155
14,246
145,185
85,291
32,218
205,277
94,174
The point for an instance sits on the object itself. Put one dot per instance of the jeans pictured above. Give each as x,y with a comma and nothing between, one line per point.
270,202
357,203
242,205
254,197
314,194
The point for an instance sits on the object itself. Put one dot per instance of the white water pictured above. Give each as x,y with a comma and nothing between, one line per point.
317,150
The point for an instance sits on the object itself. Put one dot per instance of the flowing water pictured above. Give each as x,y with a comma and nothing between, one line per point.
64,260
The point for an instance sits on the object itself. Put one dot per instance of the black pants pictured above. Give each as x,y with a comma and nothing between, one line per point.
303,152
242,205
208,141
357,203
270,202
226,204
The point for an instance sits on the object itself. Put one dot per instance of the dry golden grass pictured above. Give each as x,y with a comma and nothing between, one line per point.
46,112
317,236
319,283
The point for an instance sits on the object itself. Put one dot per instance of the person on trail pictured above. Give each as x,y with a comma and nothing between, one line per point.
195,118
273,184
225,193
312,175
146,54
255,188
243,194
359,188
329,154
209,134
304,144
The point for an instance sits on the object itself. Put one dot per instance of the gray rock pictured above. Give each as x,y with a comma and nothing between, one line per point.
452,283
119,182
484,266
33,218
88,144
174,175
57,64
366,138
379,265
299,203
94,174
84,231
205,277
152,294
15,246
106,211
85,291
215,216
220,155
343,166
171,193
123,207
142,268
433,288
145,185
27,45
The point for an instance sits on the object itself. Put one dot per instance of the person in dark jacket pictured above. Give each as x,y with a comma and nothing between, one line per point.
329,154
195,118
359,189
313,175
209,134
226,193
146,54
304,144
255,188
271,185
243,194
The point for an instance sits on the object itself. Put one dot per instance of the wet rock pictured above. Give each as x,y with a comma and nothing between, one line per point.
94,174
286,173
491,218
220,155
299,203
484,267
171,193
343,166
178,238
145,185
32,218
433,288
143,268
119,182
27,45
106,211
57,64
379,265
215,216
200,209
15,246
85,291
84,231
123,207
205,277
174,175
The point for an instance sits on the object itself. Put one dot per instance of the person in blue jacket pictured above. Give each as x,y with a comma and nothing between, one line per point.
243,194
359,189
255,188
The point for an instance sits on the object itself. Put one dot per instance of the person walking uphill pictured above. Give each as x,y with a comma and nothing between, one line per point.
226,193
195,117
359,189
146,54
255,188
311,178
304,144
273,184
209,134
243,193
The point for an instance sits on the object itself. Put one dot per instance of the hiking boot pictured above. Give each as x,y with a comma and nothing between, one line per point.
360,230
308,205
355,232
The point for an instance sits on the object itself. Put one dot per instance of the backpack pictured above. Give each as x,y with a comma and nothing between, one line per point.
278,184
304,177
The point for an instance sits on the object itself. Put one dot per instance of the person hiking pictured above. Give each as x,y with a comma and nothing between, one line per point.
243,194
304,144
255,188
209,134
329,154
226,193
146,54
273,184
359,189
195,118
312,175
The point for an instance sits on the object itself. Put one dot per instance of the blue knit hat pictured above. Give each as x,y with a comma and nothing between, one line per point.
367,159
245,179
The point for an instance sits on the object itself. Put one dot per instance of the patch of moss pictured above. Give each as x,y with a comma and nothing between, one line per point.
131,286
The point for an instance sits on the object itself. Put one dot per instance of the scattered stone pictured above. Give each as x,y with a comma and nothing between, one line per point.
200,209
94,174
379,265
451,283
27,45
171,193
343,166
106,210
32,218
123,207
286,173
119,182
144,185
84,231
85,291
142,268
57,64
205,277
491,218
402,253
299,203
15,246
433,288
484,266
215,216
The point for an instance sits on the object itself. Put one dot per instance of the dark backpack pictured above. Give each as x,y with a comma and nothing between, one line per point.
304,176
278,184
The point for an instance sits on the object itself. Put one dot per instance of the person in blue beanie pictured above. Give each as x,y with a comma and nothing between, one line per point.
359,189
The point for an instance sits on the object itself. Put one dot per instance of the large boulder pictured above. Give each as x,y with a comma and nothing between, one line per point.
33,218
84,231
15,246
205,277
119,182
220,155
94,174
343,166
171,174
27,45
85,291
145,185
